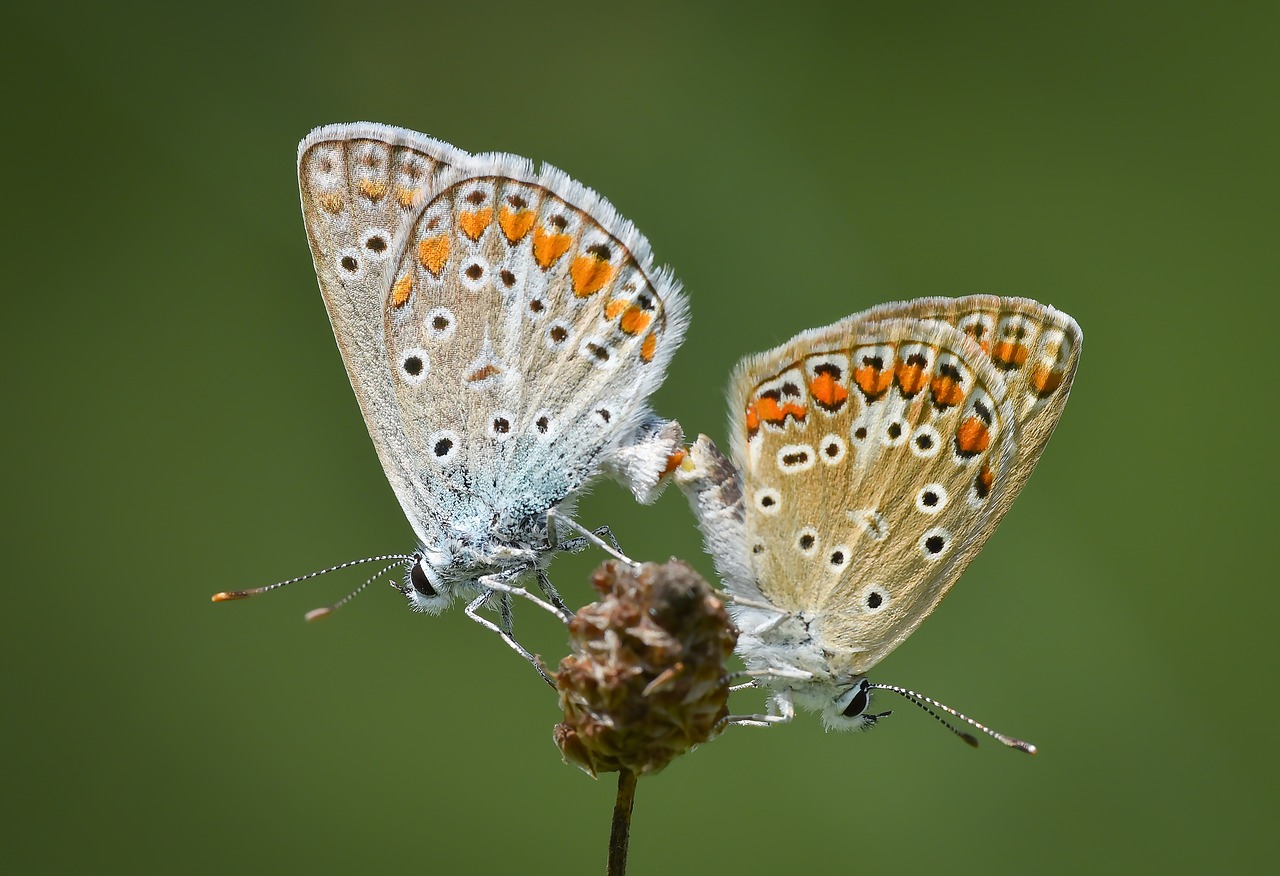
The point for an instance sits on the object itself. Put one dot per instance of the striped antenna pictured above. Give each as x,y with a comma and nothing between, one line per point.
317,613
921,699
229,595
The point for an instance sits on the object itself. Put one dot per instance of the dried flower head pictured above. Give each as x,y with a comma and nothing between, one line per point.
646,680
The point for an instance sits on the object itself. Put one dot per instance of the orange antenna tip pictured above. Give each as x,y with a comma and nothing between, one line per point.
229,595
317,613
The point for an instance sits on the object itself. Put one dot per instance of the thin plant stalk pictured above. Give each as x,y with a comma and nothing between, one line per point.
620,834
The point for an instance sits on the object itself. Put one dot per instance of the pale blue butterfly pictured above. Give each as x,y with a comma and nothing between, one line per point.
503,328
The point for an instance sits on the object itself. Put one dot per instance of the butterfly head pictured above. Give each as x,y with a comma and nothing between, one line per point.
431,578
849,709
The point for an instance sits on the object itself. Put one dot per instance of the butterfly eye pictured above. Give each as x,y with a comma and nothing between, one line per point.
859,697
418,578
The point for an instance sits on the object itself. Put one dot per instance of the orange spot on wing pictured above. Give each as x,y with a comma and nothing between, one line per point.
634,320
873,380
408,198
483,373
331,202
910,375
1046,380
946,390
614,307
972,437
515,224
433,252
589,275
776,414
648,348
1007,354
548,246
371,189
827,391
401,291
982,483
474,222
753,419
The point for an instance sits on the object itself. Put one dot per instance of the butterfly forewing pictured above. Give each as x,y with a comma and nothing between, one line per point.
526,327
874,460
360,185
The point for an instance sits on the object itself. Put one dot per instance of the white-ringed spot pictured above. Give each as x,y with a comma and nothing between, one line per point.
604,416
831,449
350,264
794,458
838,558
925,442
443,446
502,425
509,279
544,426
807,541
597,351
440,324
859,431
377,244
895,433
935,543
558,334
874,598
414,365
474,273
768,500
931,499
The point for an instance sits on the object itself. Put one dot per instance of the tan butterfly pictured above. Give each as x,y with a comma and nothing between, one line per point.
870,460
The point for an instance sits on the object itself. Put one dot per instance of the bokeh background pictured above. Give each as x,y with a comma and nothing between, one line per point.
179,423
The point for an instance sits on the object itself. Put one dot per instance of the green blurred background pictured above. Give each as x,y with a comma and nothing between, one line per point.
179,423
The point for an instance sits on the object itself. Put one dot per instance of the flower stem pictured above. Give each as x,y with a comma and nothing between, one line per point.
620,834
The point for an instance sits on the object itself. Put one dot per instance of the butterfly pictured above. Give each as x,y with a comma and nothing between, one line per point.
869,462
503,328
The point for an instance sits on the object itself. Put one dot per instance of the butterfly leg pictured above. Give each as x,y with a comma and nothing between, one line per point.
786,712
500,583
474,606
587,536
552,594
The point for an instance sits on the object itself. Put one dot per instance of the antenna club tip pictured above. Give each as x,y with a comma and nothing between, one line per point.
1027,747
229,595
317,613
969,739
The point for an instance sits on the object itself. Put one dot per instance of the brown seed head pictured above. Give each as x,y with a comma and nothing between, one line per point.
646,679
